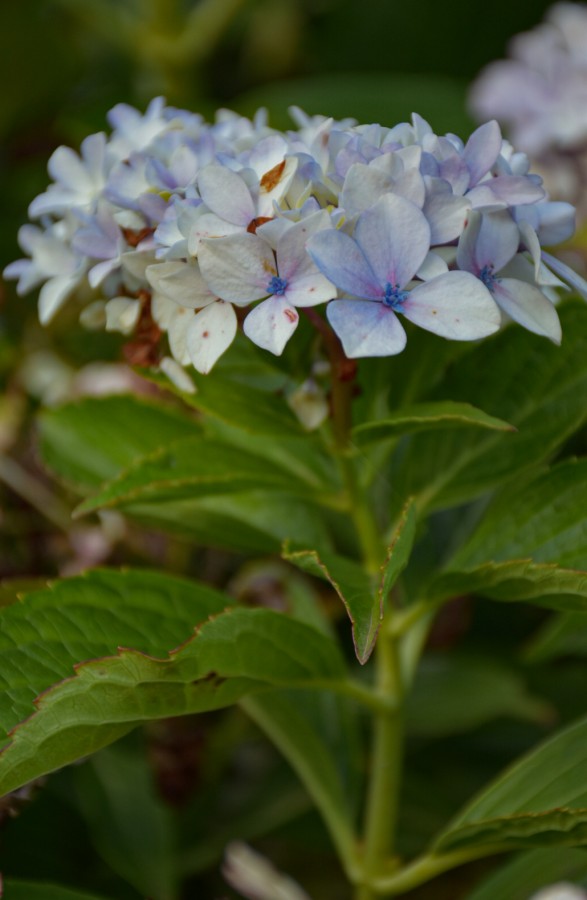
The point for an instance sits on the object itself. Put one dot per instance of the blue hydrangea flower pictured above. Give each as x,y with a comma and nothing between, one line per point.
390,243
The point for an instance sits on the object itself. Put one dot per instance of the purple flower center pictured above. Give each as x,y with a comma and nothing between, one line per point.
487,277
277,286
394,297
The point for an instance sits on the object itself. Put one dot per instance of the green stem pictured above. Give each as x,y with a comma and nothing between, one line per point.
428,867
386,765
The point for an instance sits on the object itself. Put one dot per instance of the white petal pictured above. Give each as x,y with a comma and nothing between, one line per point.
210,333
177,331
177,375
122,314
366,328
53,295
181,282
309,290
527,305
456,306
432,266
209,225
363,186
271,324
237,268
226,194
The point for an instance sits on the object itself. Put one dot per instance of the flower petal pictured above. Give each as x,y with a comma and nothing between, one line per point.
271,324
226,194
341,260
53,295
366,329
210,333
489,239
181,282
529,307
456,306
482,149
237,268
394,237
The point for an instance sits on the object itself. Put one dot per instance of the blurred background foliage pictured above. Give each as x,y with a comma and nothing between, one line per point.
64,64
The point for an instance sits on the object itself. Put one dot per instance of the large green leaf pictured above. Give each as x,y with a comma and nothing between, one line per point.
51,632
455,694
426,417
250,521
132,828
545,518
516,580
95,440
227,396
531,871
515,376
540,800
91,440
362,593
192,467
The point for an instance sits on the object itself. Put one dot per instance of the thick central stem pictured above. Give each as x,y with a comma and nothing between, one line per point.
386,764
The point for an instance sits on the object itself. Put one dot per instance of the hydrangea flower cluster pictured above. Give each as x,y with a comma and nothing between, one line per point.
190,229
540,93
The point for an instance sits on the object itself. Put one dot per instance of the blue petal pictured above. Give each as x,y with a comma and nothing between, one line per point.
366,329
395,238
340,258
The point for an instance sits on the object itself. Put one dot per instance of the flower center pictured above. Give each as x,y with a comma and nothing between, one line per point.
487,277
277,286
393,297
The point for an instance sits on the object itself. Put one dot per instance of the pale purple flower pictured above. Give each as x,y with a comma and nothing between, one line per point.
391,242
52,261
100,238
489,243
79,180
209,332
243,268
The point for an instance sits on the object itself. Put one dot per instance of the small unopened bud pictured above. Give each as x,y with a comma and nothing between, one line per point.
310,404
254,877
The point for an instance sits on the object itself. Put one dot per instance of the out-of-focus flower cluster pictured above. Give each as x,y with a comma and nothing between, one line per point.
188,229
540,93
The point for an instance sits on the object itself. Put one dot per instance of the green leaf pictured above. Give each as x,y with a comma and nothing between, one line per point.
91,440
45,634
516,580
529,872
250,521
133,830
236,401
362,594
515,376
562,635
16,889
426,417
454,694
544,517
191,467
231,654
541,800
283,716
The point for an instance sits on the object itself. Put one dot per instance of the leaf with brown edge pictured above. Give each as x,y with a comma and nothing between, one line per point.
232,653
540,800
362,593
517,580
